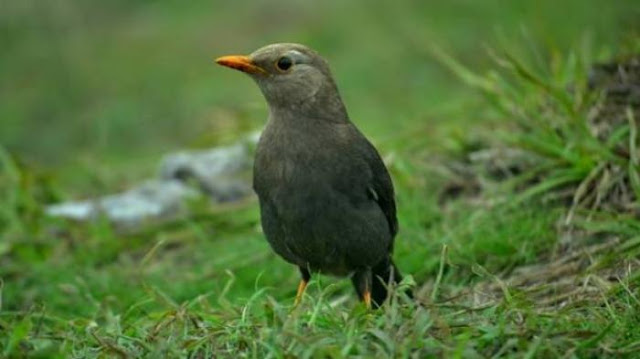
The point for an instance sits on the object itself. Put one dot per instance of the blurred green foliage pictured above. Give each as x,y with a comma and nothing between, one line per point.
95,79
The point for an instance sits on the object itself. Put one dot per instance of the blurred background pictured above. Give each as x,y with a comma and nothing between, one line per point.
89,86
93,93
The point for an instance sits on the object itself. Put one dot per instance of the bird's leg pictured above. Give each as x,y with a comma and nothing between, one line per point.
367,299
306,276
361,280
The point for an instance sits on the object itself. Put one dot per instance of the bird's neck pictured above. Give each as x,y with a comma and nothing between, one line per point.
328,109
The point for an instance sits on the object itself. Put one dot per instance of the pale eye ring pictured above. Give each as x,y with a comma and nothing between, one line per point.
284,63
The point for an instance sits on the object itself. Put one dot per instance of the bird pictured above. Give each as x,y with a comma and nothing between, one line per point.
327,202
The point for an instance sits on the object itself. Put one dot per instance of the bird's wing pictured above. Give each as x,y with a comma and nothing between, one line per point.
381,187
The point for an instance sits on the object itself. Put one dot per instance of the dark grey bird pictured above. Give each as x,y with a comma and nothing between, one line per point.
326,199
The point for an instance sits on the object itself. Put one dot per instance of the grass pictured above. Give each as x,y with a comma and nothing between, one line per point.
519,221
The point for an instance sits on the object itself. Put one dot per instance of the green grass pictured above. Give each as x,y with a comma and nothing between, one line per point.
542,262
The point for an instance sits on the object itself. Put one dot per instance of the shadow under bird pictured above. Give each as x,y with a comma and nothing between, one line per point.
326,199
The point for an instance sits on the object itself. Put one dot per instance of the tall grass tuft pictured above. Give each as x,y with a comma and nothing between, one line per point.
568,121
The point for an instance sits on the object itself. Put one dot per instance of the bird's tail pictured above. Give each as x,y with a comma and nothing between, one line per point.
384,274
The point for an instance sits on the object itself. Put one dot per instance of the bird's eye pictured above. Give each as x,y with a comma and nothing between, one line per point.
284,63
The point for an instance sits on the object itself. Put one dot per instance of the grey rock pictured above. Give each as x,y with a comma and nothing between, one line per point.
221,173
153,199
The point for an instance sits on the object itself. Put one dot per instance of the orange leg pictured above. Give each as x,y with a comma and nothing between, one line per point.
366,297
362,282
306,277
301,287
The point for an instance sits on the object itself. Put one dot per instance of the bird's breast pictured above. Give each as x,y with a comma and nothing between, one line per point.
302,168
316,207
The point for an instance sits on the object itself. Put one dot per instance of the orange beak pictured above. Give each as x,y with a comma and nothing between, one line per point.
242,63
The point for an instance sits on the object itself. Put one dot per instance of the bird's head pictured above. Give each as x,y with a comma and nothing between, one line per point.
292,77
